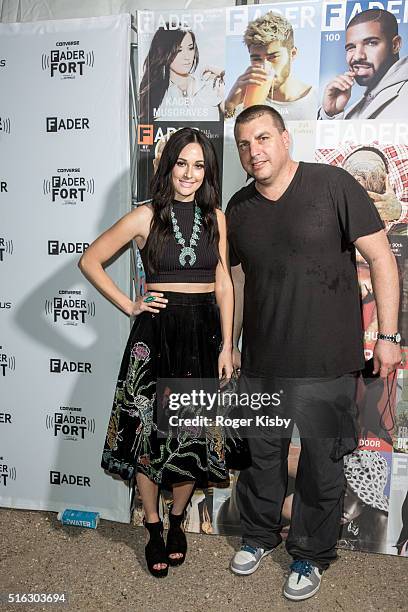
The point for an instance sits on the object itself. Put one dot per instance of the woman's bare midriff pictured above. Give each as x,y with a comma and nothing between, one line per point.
182,287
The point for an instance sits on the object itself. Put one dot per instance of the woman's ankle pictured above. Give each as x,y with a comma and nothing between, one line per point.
152,518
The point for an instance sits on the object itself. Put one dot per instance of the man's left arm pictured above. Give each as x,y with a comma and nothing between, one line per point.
376,251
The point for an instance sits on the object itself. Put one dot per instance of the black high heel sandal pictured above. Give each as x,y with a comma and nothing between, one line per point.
155,549
176,539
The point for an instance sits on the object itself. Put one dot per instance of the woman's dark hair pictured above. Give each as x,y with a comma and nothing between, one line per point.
162,193
156,76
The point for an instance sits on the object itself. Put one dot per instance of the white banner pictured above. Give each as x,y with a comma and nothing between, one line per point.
64,178
27,10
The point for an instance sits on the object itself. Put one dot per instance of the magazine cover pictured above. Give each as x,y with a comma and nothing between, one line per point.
382,169
366,502
363,62
181,66
376,400
150,143
271,58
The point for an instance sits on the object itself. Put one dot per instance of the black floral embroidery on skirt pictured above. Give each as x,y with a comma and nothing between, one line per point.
182,341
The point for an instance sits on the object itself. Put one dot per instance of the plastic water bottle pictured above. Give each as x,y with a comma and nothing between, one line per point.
79,518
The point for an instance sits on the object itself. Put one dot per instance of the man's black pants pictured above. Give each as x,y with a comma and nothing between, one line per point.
325,414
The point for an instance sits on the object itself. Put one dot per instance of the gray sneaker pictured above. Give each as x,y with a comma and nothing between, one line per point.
246,560
303,581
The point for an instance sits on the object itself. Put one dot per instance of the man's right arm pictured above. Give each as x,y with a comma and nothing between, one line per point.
238,279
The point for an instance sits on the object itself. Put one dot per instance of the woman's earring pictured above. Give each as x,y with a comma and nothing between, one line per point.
164,71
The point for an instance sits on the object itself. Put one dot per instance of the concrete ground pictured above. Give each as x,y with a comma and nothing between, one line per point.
104,570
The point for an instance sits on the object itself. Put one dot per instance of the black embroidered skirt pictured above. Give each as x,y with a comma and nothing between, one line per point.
181,341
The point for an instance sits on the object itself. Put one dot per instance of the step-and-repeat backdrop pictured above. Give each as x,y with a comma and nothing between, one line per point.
311,56
64,178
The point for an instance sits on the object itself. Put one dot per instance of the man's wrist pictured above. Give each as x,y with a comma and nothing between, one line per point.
394,337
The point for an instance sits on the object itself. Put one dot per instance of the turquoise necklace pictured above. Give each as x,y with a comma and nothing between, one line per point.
187,251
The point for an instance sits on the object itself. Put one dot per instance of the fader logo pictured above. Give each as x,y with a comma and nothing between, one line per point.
64,124
68,186
7,363
57,247
68,63
69,308
7,472
6,248
145,134
69,425
59,366
59,478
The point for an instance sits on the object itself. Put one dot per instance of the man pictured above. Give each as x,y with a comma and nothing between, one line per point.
292,233
372,54
270,44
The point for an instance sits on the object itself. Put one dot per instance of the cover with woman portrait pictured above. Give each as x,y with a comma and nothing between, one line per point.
150,143
181,66
363,62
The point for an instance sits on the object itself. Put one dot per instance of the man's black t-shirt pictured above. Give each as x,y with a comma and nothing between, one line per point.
302,315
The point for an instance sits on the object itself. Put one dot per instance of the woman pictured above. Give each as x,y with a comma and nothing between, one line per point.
176,334
169,90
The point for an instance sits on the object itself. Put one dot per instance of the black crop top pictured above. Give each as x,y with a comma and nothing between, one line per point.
170,269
